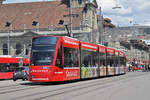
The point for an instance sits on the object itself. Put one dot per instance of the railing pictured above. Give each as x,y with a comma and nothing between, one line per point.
40,29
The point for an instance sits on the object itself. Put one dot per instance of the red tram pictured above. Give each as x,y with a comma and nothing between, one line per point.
61,58
8,64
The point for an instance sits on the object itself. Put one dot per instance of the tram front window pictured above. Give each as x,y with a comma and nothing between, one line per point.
43,49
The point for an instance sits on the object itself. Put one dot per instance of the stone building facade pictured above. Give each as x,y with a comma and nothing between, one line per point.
22,21
130,40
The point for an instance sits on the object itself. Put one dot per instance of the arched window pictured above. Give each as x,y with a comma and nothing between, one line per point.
18,49
27,51
5,49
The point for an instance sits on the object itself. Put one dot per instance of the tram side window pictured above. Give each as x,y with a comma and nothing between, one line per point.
85,58
5,67
89,58
59,57
13,66
122,61
102,59
71,58
110,60
95,58
116,61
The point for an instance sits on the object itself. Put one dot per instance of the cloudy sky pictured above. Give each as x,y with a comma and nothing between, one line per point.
129,12
132,12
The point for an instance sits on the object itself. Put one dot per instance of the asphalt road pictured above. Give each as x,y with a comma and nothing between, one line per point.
132,86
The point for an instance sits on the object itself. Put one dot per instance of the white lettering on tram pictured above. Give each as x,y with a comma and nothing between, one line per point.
39,78
39,70
58,72
90,46
70,42
69,74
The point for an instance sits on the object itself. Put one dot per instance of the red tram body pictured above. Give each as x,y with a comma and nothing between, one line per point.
116,60
8,64
102,60
61,58
110,61
89,60
62,67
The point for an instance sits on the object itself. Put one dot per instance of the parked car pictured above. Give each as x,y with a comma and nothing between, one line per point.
21,73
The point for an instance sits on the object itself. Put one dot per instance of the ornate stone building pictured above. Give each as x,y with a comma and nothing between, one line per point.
19,22
130,40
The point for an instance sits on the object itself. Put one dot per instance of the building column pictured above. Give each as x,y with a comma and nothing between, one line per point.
1,49
12,49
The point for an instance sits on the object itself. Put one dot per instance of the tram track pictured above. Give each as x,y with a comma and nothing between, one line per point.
106,86
8,86
98,84
13,85
75,89
14,88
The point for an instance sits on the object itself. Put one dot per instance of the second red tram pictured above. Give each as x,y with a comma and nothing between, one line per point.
8,64
61,58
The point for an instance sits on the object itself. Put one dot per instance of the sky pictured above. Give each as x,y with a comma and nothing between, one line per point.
129,13
132,12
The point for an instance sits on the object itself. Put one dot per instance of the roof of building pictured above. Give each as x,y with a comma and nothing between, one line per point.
106,22
47,14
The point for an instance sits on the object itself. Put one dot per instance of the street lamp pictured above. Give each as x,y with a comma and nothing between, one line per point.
117,5
62,22
101,40
70,12
8,24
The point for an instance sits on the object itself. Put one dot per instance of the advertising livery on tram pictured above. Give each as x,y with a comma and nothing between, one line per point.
61,58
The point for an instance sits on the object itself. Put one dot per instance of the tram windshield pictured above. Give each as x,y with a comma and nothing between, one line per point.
43,49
